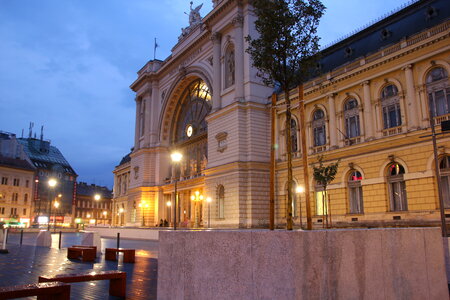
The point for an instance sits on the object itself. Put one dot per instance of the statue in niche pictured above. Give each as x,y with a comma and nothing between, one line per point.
229,61
193,163
204,162
194,20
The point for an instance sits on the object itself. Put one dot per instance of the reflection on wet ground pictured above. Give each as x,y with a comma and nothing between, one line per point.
23,264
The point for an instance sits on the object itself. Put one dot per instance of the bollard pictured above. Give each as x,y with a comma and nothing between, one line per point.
118,240
59,245
5,236
21,237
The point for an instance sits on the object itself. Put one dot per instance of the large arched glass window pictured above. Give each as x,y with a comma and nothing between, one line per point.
444,167
318,125
390,103
294,137
351,115
355,194
221,201
229,67
438,90
195,106
397,187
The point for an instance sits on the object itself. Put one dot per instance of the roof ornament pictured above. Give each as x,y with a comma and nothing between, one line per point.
194,20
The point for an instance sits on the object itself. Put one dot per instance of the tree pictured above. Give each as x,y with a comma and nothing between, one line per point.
324,175
284,53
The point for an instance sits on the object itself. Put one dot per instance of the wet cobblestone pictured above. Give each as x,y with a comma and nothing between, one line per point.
23,264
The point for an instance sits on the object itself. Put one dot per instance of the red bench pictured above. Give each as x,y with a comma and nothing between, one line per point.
84,246
43,291
117,280
86,253
128,254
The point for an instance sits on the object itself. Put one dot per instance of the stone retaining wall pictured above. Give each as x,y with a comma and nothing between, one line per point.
328,264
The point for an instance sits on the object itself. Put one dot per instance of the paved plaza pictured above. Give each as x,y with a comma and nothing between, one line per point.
24,263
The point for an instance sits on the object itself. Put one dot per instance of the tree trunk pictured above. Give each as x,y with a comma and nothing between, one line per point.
324,220
289,223
304,158
272,165
329,209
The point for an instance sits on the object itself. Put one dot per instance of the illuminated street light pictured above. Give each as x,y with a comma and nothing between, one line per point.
51,183
97,197
197,197
300,190
176,158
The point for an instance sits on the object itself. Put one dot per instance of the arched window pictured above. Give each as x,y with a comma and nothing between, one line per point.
229,67
221,201
294,138
355,194
438,90
397,187
318,125
351,115
390,103
444,167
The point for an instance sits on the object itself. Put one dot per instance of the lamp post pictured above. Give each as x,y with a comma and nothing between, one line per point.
300,189
56,205
197,197
176,158
51,183
97,198
104,216
209,200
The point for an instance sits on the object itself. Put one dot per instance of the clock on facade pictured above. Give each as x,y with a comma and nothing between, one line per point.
189,130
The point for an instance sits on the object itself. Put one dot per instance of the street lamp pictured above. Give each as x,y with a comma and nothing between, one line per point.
299,190
97,197
209,200
143,205
197,197
56,205
51,183
176,158
104,216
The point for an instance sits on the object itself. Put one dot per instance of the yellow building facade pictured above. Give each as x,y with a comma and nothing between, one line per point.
372,114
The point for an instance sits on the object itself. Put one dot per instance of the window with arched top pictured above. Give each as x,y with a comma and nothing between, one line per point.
355,193
397,187
294,136
351,116
229,67
221,201
444,168
390,103
438,89
318,125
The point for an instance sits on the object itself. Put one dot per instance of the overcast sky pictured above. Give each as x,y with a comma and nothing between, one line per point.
68,65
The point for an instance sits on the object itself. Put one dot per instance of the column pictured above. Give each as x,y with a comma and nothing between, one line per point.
412,105
368,120
238,24
154,114
147,120
136,130
216,100
332,121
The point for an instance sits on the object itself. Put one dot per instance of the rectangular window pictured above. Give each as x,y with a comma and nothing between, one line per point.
2,210
4,180
27,183
25,199
24,211
16,181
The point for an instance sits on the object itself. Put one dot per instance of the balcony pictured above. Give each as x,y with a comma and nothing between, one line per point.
392,131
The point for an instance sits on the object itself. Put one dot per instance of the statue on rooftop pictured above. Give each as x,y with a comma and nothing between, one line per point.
194,20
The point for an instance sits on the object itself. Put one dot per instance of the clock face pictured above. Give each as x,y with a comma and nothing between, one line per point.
189,130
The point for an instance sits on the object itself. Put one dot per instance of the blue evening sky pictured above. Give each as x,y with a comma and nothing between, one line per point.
68,65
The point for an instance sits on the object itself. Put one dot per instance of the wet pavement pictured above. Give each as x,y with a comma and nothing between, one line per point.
24,263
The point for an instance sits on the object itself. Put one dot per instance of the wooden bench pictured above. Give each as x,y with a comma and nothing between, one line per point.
128,254
117,280
84,246
86,254
43,291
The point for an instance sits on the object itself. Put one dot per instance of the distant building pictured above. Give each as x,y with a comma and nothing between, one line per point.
93,205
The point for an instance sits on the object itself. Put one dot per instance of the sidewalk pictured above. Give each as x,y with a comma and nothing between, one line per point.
23,264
